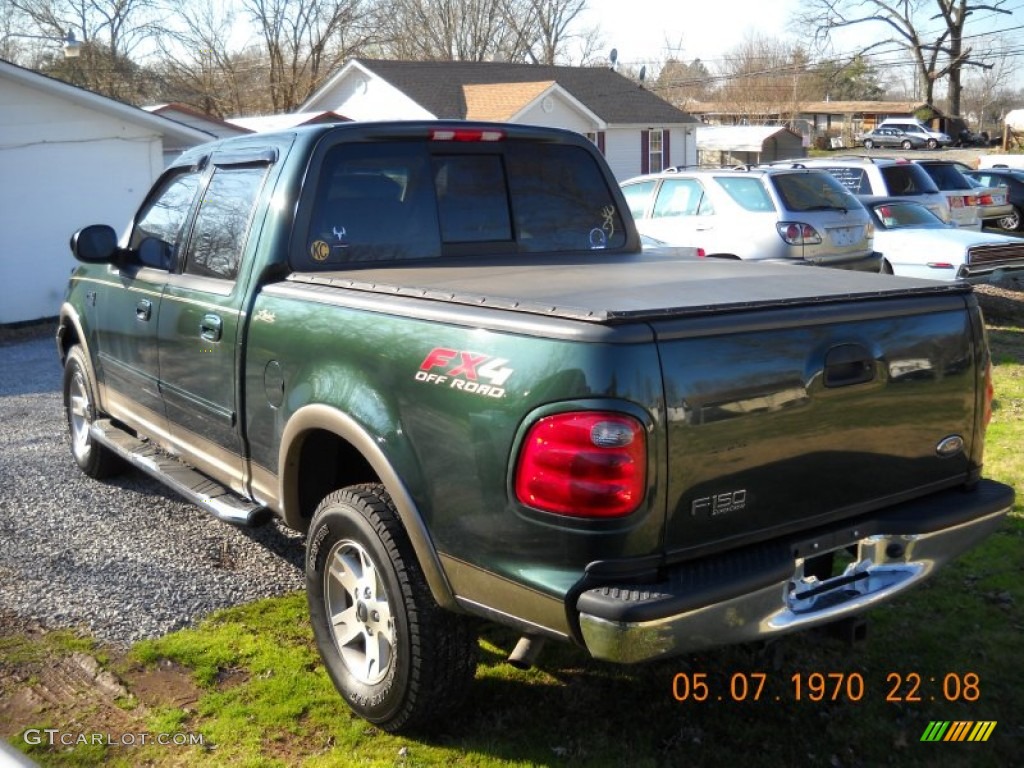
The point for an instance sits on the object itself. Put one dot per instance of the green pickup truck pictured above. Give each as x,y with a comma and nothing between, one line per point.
440,350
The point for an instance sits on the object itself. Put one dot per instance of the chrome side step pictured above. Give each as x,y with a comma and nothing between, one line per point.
205,493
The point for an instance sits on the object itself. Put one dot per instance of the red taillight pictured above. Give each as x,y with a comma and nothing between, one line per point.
466,134
583,464
796,233
701,253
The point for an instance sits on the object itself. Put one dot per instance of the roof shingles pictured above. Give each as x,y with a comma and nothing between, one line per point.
452,90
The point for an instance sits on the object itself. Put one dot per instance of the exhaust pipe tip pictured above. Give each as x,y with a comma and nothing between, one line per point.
525,654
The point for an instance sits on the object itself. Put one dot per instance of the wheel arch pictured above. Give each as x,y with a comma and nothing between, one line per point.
70,333
323,449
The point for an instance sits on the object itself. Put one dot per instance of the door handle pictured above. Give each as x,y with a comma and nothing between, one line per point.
211,327
144,310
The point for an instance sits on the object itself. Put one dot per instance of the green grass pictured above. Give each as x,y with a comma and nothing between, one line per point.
267,702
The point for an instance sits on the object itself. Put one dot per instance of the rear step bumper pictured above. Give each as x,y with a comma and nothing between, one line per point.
759,594
205,493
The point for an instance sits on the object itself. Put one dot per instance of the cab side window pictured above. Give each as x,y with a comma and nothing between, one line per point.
162,218
222,222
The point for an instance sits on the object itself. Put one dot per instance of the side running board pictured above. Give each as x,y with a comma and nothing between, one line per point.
208,494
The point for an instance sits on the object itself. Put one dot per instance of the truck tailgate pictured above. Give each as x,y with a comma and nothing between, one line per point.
783,420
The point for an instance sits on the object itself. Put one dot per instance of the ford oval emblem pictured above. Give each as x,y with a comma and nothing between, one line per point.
950,446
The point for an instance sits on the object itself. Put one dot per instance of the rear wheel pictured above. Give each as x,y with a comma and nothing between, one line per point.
80,408
869,144
907,144
1013,222
397,658
886,268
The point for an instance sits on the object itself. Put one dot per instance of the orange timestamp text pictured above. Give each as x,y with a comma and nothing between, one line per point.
898,687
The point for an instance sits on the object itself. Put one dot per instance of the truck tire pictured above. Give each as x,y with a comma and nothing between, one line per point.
95,460
396,657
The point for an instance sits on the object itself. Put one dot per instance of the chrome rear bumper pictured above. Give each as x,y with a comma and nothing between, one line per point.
884,566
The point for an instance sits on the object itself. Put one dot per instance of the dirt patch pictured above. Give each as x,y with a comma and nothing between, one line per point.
98,694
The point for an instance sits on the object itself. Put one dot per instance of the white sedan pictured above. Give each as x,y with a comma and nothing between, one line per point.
916,243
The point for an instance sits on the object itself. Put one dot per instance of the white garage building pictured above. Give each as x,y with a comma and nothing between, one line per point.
68,158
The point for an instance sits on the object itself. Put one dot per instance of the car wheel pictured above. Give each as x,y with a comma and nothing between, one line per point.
868,144
885,268
907,144
95,460
396,657
932,144
1012,222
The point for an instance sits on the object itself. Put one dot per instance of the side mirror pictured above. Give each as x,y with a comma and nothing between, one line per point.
94,244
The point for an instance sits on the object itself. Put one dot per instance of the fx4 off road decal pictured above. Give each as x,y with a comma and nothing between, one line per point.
466,371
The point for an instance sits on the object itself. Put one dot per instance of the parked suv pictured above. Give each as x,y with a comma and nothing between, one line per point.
932,139
960,193
885,177
760,214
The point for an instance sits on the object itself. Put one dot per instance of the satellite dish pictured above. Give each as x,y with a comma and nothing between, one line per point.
613,56
643,72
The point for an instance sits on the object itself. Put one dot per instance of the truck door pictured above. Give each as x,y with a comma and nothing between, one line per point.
128,310
198,331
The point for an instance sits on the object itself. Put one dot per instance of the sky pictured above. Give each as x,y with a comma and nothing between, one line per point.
650,31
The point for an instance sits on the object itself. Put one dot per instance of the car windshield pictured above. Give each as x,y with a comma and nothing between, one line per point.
814,191
906,216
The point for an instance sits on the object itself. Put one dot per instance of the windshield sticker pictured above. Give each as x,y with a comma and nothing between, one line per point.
466,371
319,250
608,212
598,239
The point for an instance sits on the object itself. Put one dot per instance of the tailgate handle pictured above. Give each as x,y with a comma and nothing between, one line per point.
848,364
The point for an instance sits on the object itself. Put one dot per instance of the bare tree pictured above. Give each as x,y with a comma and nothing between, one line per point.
456,30
304,42
543,26
765,76
684,84
110,31
983,88
199,68
935,55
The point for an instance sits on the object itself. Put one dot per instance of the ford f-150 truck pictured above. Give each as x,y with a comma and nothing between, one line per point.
440,350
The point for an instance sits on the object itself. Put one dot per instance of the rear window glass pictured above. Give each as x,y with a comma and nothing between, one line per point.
412,200
749,193
946,176
907,179
812,192
854,179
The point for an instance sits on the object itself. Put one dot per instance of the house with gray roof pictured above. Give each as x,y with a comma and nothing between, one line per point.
637,131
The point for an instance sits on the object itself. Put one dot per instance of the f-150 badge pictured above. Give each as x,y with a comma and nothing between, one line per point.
466,371
719,504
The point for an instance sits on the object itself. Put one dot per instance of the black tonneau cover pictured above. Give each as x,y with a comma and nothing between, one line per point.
623,287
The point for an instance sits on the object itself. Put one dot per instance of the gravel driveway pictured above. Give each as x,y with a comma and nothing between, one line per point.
124,557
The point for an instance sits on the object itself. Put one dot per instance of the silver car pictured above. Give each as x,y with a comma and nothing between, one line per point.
756,214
